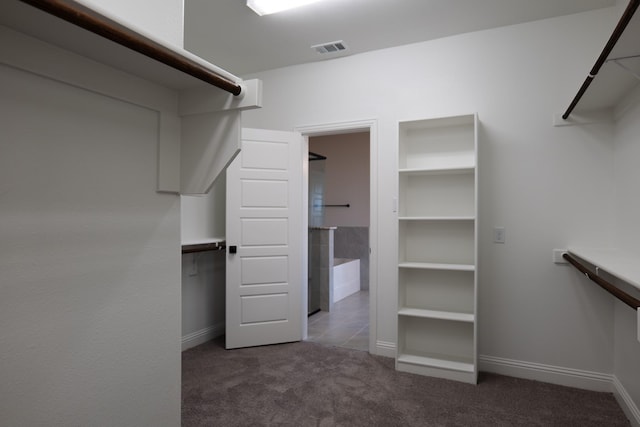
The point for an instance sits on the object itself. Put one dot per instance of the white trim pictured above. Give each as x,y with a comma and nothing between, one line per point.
626,402
386,349
374,265
304,231
336,128
578,378
203,335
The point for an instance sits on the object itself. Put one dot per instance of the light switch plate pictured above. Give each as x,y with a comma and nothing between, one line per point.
499,235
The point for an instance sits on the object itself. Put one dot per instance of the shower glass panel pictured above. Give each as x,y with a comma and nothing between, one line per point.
316,219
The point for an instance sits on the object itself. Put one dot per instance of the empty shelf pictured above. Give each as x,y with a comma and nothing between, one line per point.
437,361
437,218
437,314
436,266
462,169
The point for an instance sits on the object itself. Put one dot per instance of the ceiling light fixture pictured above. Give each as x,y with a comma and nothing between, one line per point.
266,7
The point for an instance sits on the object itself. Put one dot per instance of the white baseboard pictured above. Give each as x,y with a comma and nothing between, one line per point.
386,349
626,403
587,380
203,335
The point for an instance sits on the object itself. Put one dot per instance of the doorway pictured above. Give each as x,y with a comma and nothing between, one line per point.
348,210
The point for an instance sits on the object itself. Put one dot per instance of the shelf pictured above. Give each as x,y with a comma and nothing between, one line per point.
436,314
436,266
213,244
437,249
436,218
439,290
621,264
41,25
613,84
437,122
437,195
437,242
452,170
437,145
437,361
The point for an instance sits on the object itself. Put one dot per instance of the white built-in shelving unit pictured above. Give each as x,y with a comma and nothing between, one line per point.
437,235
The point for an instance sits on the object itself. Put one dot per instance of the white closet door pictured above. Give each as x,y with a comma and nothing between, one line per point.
264,228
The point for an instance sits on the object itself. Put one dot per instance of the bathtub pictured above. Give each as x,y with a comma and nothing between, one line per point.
346,277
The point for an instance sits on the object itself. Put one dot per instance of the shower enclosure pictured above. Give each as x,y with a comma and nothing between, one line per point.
316,219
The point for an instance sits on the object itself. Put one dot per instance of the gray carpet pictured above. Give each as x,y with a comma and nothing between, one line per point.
308,384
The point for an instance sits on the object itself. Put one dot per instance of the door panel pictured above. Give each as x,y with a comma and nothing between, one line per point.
264,221
265,154
267,194
264,231
264,308
264,270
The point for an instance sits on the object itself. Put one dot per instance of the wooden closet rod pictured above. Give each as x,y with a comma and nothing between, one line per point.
612,289
106,28
617,32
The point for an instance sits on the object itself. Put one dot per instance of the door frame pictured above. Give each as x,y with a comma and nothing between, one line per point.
336,128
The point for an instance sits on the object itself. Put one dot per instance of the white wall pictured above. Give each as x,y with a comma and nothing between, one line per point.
627,178
346,177
203,217
536,180
89,304
203,297
90,282
165,19
203,288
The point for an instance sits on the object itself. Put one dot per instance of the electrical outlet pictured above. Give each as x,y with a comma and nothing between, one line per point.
499,235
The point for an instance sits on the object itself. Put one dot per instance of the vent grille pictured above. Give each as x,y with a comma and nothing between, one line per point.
331,47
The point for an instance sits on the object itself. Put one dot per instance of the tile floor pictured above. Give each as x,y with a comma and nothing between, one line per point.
346,326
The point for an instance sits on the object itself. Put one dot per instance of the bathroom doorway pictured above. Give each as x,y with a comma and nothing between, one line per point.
339,239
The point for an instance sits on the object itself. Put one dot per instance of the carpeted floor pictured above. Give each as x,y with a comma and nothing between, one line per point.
309,384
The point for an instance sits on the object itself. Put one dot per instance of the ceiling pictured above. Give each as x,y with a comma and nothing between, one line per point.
230,35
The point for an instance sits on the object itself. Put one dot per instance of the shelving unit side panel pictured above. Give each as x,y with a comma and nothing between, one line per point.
475,240
437,290
403,185
438,195
447,242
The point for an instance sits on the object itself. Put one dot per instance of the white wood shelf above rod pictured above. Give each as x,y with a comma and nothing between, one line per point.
97,34
203,245
624,265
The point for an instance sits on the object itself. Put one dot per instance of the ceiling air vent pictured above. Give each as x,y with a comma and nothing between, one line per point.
331,47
